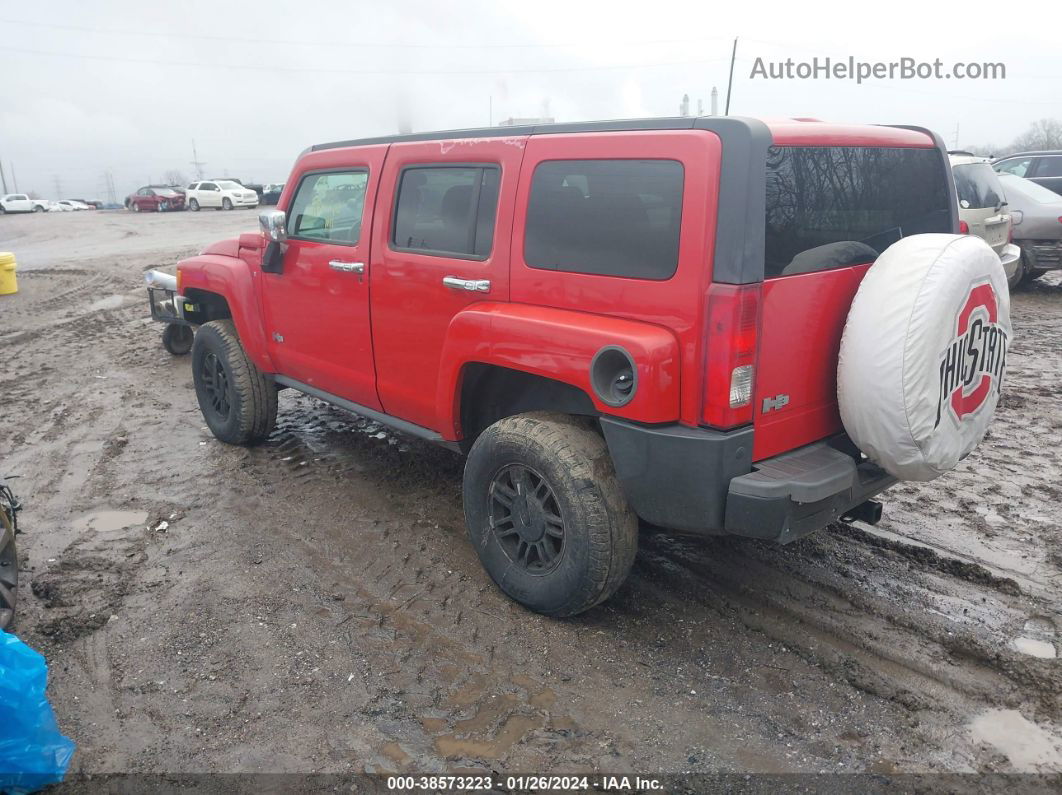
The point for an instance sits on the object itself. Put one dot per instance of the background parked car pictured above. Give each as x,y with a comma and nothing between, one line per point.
93,204
1037,214
62,206
271,193
983,210
222,194
1043,168
22,203
152,198
71,204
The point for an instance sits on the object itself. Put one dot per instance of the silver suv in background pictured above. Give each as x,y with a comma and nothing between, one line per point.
1037,216
1043,168
983,210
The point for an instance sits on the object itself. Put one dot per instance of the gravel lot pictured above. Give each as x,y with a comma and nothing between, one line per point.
312,604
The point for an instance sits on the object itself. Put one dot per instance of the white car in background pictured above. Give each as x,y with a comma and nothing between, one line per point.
67,205
22,203
983,210
221,194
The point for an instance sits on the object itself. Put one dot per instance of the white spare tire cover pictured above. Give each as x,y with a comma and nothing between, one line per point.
923,354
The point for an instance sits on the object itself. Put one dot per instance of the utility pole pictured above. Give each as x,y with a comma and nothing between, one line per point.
684,105
730,81
108,179
3,179
197,164
14,178
715,101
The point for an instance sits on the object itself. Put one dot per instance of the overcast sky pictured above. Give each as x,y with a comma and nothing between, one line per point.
125,86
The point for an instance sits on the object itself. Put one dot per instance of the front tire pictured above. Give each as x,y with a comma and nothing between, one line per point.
226,204
238,402
193,205
135,207
547,515
8,571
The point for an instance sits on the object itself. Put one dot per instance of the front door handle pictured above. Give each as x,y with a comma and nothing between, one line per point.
472,285
347,267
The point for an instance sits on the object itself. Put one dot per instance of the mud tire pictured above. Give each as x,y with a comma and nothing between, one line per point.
250,408
600,530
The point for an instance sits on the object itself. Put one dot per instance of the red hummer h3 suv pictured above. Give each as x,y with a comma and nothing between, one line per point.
610,320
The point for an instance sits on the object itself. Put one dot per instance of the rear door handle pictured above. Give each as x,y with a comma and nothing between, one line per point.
472,285
347,267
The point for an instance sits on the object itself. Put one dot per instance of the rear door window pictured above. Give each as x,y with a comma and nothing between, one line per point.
446,210
833,207
329,207
605,217
978,187
1049,166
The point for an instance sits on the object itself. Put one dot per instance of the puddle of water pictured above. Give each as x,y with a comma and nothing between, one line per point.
109,521
1035,648
511,732
394,752
1028,746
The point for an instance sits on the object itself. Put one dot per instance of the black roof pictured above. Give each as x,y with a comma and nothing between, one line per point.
618,125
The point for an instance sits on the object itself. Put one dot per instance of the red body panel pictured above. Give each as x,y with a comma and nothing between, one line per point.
558,344
803,317
317,318
411,308
675,304
235,282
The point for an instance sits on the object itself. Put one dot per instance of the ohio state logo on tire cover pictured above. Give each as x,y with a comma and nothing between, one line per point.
974,362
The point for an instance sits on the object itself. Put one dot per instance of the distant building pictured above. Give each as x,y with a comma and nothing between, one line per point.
528,122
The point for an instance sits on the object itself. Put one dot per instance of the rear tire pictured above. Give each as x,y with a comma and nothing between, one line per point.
238,402
547,515
38,209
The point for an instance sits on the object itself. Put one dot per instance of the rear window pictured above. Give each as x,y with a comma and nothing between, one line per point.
978,187
606,217
832,207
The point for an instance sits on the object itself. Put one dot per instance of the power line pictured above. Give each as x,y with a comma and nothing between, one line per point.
400,72
376,44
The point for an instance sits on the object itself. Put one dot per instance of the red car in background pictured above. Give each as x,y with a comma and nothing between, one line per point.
155,199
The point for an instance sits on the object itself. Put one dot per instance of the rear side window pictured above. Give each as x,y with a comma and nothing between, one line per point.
605,217
328,207
1050,167
978,187
831,207
1016,167
447,210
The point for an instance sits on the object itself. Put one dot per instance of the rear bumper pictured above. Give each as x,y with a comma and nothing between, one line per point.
703,481
1043,255
1008,258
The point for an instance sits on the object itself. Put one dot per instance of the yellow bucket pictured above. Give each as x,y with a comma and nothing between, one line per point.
8,283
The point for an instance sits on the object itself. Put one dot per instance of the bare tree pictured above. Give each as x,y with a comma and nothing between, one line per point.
1043,134
175,177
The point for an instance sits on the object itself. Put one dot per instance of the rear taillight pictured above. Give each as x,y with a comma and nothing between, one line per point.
731,337
964,228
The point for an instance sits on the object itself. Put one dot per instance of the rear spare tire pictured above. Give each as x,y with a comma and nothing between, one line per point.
238,402
546,513
924,353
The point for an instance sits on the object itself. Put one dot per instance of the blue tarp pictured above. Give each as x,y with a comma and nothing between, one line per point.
33,754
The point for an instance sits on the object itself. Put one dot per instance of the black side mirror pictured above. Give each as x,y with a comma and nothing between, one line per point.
273,259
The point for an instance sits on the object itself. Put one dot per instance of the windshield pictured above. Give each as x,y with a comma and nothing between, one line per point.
230,185
1029,189
833,207
978,187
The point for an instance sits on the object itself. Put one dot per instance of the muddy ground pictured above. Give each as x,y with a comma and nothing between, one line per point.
312,604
